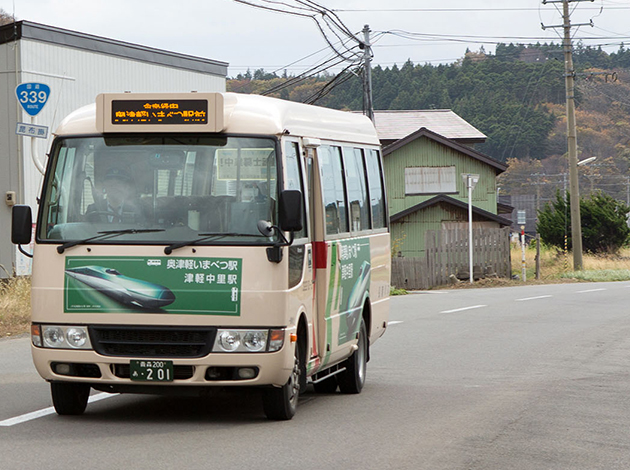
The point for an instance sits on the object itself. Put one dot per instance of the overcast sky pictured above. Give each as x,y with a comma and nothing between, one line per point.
248,37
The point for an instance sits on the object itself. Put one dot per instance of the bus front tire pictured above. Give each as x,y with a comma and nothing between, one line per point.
69,398
353,378
280,404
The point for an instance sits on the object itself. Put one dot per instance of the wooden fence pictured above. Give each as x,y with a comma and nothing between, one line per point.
446,255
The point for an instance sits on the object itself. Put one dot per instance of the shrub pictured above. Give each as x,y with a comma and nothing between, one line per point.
604,223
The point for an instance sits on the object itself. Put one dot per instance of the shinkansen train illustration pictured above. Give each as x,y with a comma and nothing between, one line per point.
123,289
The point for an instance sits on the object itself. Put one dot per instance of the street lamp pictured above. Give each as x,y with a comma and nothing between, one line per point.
471,181
576,222
586,161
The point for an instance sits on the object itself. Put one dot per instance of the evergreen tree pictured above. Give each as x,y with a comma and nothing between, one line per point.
604,223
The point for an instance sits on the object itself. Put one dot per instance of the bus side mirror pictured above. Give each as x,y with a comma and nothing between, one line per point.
21,225
290,210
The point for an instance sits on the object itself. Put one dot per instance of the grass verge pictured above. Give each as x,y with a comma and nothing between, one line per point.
15,306
558,266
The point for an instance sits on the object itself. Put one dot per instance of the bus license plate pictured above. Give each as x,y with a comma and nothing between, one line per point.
151,371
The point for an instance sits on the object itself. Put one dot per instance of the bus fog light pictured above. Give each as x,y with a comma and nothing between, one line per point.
53,337
246,373
276,340
229,340
76,337
63,369
255,340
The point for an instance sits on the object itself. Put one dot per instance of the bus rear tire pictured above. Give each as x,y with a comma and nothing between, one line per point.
280,404
353,378
69,398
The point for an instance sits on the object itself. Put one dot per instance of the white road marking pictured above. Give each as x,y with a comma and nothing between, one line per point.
534,298
393,323
589,290
464,308
48,411
432,292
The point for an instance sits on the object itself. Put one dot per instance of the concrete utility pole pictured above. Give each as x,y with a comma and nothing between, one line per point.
569,74
368,107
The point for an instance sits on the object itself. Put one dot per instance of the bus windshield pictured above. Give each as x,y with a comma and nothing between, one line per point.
177,188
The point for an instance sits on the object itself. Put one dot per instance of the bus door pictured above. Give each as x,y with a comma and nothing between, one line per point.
301,257
331,228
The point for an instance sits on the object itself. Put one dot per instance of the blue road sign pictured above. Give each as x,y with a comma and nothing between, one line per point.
32,96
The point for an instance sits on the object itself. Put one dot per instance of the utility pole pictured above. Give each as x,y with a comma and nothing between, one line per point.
368,108
569,74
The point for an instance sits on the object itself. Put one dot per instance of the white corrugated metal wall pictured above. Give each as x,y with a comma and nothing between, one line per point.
9,160
75,77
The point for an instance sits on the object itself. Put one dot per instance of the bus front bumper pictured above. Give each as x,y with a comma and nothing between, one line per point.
215,369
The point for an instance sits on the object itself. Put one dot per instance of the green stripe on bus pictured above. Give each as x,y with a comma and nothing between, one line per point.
331,288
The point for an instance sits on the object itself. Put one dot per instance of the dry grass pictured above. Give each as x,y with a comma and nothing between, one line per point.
15,306
556,265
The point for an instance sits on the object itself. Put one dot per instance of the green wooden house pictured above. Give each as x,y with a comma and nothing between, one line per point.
423,172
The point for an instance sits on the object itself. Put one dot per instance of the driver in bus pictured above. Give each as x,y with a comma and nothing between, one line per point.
119,204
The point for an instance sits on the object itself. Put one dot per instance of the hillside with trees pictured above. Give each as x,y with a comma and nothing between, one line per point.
515,96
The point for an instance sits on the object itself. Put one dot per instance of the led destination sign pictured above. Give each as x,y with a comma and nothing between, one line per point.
156,111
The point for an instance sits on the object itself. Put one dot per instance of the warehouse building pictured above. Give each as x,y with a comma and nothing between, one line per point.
75,67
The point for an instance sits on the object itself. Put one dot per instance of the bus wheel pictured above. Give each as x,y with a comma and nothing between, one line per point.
353,378
69,398
280,404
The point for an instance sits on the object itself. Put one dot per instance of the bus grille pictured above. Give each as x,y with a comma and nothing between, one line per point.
153,342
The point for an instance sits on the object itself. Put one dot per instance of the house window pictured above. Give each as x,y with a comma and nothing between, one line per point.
430,180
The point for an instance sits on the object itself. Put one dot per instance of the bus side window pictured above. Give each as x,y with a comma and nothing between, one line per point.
357,189
377,195
294,178
331,172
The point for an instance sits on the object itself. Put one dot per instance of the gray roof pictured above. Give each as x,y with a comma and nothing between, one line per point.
395,125
40,32
457,146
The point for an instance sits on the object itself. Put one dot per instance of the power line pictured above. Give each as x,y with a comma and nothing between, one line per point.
312,72
324,18
331,85
453,10
481,39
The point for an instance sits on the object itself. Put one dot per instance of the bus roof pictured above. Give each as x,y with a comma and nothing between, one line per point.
258,115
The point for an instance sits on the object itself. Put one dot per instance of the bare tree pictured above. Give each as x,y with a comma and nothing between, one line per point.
5,18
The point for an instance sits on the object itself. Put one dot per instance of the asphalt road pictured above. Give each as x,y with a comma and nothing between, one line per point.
533,377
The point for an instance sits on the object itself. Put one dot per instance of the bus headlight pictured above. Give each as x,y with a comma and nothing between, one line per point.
53,337
63,337
76,337
229,340
248,341
255,340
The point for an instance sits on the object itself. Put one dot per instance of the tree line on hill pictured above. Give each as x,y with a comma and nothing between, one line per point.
515,96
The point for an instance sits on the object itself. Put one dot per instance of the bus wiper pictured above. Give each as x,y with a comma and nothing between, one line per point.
104,235
205,237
